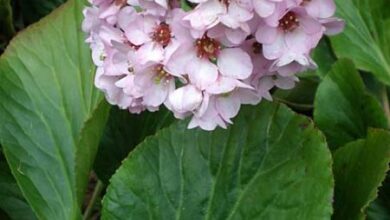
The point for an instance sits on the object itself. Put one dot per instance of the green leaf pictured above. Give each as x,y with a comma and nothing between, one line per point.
6,27
12,201
359,169
33,10
88,144
380,208
123,132
271,164
378,211
324,57
51,116
343,110
301,97
366,39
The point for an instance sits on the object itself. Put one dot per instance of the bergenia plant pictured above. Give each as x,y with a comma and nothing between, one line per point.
194,109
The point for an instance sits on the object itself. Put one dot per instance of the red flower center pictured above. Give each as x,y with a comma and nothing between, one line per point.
289,22
207,47
256,48
162,34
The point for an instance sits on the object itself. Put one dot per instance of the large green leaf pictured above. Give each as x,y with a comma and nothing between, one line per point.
33,10
359,169
366,39
51,116
271,164
12,201
123,132
343,110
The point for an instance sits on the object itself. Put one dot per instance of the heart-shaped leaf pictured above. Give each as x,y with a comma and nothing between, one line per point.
360,167
51,116
343,109
271,164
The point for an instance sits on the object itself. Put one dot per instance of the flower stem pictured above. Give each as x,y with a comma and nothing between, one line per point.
98,189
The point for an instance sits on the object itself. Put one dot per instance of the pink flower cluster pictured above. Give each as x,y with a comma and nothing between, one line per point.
207,61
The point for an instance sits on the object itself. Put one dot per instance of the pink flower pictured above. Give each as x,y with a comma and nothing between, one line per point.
292,40
218,110
152,36
155,85
210,67
320,8
272,10
207,62
233,14
153,7
323,10
184,100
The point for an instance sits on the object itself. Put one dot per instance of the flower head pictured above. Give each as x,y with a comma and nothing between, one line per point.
206,62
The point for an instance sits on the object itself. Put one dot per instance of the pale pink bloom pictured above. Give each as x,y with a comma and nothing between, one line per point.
333,26
153,7
210,119
155,84
228,36
186,99
152,36
271,11
320,8
265,74
210,67
221,109
292,40
91,22
207,62
108,9
113,93
233,14
324,11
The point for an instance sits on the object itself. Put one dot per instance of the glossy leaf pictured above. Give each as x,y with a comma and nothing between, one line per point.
359,168
51,116
366,39
343,109
271,164
123,132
